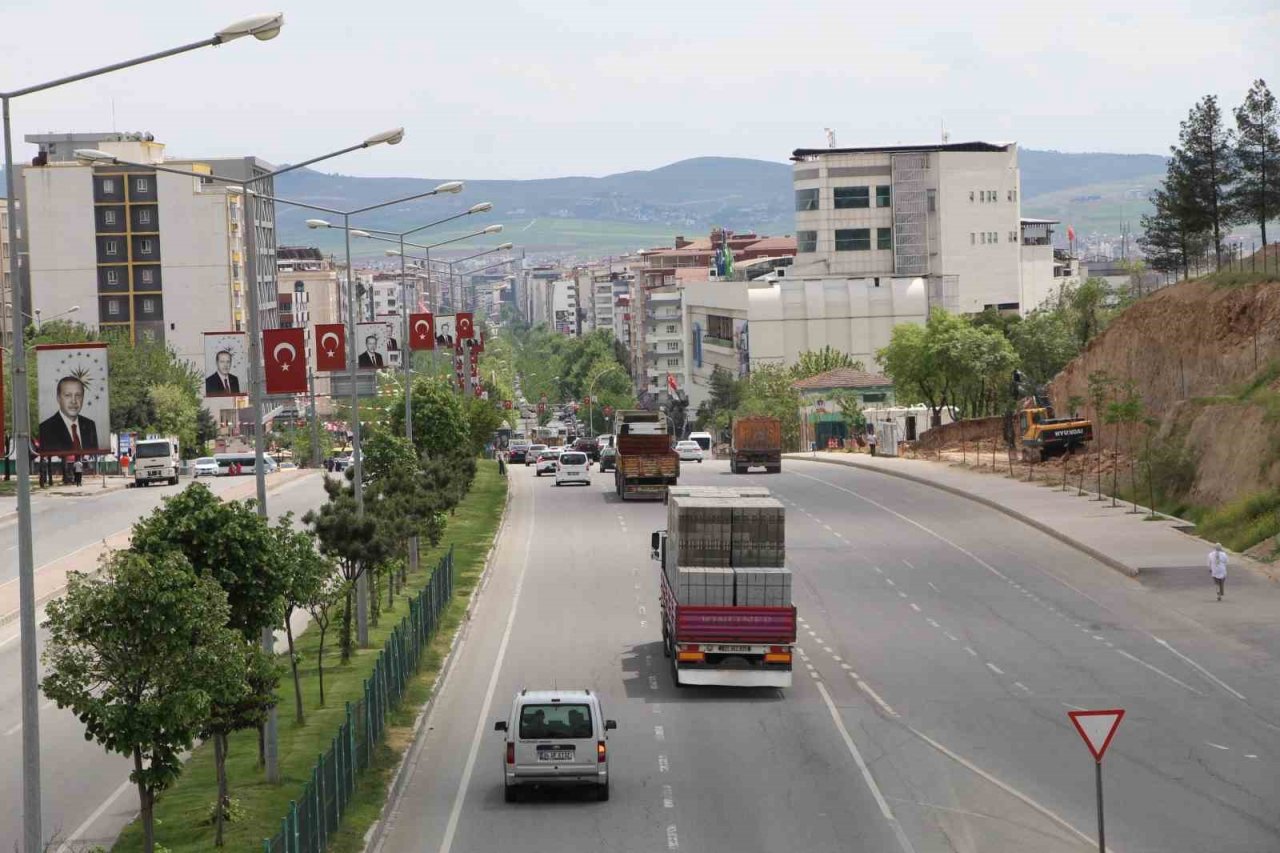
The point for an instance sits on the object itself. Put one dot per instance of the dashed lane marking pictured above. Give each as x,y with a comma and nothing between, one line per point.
653,682
659,733
915,607
1198,668
875,697
933,622
1218,746
952,637
673,840
890,582
997,670
934,588
907,563
663,764
970,650
1024,688
668,799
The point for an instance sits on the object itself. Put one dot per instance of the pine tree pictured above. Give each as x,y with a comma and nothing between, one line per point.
1257,195
1170,237
1206,155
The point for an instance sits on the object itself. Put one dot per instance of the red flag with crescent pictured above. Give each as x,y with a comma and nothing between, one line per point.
1071,234
465,325
331,346
422,331
285,353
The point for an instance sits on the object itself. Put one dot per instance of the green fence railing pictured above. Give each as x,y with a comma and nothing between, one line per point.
314,816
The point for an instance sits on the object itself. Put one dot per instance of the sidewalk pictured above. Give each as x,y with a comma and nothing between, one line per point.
51,578
1112,535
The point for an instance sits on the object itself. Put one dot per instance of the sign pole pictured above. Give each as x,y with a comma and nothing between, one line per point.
1102,835
1097,728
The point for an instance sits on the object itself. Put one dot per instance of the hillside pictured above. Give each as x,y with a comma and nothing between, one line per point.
630,210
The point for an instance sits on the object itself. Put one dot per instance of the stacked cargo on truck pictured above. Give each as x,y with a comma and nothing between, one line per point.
645,464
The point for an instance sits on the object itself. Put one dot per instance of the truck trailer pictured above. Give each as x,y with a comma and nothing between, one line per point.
645,464
757,441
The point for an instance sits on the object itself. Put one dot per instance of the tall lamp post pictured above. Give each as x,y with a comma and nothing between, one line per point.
263,28
93,156
39,319
591,394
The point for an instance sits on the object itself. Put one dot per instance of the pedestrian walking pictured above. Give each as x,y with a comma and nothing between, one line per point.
79,471
1218,568
502,464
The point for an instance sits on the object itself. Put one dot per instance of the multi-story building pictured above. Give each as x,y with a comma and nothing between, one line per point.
309,296
6,282
564,307
715,318
664,344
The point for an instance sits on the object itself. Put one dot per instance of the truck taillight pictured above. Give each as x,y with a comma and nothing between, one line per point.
511,753
601,755
690,654
777,657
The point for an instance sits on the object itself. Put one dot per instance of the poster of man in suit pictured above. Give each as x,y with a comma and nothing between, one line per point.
75,406
445,331
226,363
372,340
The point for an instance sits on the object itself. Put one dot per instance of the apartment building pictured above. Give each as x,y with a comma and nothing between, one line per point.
564,307
663,346
716,321
311,293
6,282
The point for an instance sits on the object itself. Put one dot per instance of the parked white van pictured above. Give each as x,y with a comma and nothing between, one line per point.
555,737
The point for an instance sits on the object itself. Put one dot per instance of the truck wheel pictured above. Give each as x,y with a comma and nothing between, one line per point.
602,792
666,641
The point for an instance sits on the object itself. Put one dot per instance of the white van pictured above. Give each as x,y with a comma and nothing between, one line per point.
704,440
573,467
555,737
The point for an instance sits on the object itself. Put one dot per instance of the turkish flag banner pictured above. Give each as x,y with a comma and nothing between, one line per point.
465,325
422,331
331,346
285,354
671,382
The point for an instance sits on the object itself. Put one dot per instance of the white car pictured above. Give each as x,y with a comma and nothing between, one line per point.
531,455
205,466
689,451
573,467
555,737
547,461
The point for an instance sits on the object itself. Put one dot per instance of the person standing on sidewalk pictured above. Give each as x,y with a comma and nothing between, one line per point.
78,468
1218,568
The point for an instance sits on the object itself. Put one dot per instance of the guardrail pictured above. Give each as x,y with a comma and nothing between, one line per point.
318,812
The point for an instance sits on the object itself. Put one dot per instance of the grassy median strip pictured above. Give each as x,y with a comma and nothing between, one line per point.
184,812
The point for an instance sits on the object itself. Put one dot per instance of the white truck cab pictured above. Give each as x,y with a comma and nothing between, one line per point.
155,458
555,737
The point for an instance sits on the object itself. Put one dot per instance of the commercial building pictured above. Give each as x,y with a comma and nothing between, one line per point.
716,320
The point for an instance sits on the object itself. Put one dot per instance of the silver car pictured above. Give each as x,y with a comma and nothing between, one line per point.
555,737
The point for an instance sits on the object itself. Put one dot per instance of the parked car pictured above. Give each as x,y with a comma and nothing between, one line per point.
573,467
205,466
608,458
555,737
689,451
547,461
534,451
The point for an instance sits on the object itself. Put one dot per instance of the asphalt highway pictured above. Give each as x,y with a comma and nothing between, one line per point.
942,645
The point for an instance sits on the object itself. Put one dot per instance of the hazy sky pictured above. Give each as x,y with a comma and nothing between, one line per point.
521,89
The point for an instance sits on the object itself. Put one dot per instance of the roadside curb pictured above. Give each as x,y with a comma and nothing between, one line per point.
1100,556
373,838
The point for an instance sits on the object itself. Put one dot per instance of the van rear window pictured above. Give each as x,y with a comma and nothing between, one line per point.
539,722
573,459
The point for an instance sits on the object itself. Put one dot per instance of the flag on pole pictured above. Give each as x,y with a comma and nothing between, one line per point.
332,351
671,383
285,356
1071,234
422,331
728,254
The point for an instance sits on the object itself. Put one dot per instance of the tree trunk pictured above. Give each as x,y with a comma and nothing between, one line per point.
391,589
320,663
345,639
1115,466
293,665
262,746
220,764
145,803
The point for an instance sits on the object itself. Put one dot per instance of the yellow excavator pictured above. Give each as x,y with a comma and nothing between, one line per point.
1040,434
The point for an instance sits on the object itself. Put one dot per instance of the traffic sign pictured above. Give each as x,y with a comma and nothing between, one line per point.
1097,728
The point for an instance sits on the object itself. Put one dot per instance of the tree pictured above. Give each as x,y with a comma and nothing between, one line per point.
386,453
1174,232
1044,344
206,429
138,654
925,363
308,574
1101,386
1257,195
439,424
768,391
1206,154
483,419
1086,307
176,411
850,408
320,605
716,412
239,704
813,362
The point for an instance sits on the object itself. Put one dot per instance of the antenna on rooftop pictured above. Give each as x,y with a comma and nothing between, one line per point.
946,137
831,137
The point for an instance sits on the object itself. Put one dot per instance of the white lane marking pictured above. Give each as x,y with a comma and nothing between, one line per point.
668,799
1218,746
1199,668
663,764
800,619
952,637
837,658
1250,755
908,564
846,667
1159,671
901,594
1008,789
815,676
451,828
997,670
828,526
799,650
818,640
659,733
970,650
644,623
812,633
657,709
866,771
934,588
673,840
65,847
875,697
642,610
915,607
653,682
810,666
1024,688
879,570
890,582
1073,707
933,622
1098,637
827,649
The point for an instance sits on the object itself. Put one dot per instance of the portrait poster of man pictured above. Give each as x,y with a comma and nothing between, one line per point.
372,340
74,401
445,332
226,364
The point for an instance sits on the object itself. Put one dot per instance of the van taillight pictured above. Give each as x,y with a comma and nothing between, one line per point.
511,753
600,752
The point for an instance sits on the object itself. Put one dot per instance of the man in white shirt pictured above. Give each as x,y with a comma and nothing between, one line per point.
1218,568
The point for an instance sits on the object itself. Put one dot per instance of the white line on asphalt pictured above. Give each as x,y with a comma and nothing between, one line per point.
970,650
641,609
809,665
659,733
1073,707
451,827
846,666
875,697
1008,789
668,799
879,570
663,764
1024,688
673,840
14,730
818,640
890,582
828,526
1218,746
952,637
827,649
1250,755
933,622
915,607
644,623
1206,673
908,562
837,658
65,847
934,588
657,709
997,670
653,682
815,676
866,771
1159,671
901,594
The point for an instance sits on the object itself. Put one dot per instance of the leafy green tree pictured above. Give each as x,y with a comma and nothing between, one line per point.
206,431
240,704
1206,155
320,605
1101,387
926,363
439,423
813,362
138,655
308,574
386,453
850,408
1256,197
715,414
176,411
1044,344
483,419
768,391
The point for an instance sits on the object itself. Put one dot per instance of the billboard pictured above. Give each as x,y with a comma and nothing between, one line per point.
373,343
226,364
75,405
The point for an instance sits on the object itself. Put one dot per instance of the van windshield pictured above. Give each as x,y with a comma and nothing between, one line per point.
538,722
152,449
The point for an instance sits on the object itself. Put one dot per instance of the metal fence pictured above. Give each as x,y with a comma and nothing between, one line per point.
318,812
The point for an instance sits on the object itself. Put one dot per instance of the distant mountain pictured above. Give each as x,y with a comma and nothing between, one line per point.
1046,172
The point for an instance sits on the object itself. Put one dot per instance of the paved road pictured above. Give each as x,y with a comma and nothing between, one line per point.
943,644
79,778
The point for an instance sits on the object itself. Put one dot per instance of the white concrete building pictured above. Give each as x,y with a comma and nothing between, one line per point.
664,342
564,307
716,323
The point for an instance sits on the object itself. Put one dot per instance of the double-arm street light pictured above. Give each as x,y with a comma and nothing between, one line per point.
92,156
263,28
429,260
591,393
36,316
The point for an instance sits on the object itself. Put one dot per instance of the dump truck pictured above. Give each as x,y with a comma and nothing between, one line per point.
757,441
645,464
725,600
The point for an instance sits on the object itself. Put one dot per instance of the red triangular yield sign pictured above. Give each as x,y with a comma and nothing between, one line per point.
1097,728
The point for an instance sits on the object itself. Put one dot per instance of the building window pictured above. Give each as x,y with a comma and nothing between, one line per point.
148,276
112,248
1009,195
148,306
853,239
108,186
1013,236
108,217
720,327
113,307
144,247
932,196
807,199
884,196
671,329
235,270
673,345
149,336
884,238
144,216
142,185
113,276
847,197
806,241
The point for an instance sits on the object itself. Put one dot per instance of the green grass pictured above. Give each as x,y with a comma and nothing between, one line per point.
1242,523
182,812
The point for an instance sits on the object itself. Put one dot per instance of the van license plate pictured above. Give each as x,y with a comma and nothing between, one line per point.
556,755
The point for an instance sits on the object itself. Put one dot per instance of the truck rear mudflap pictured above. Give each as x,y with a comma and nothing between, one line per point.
719,677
